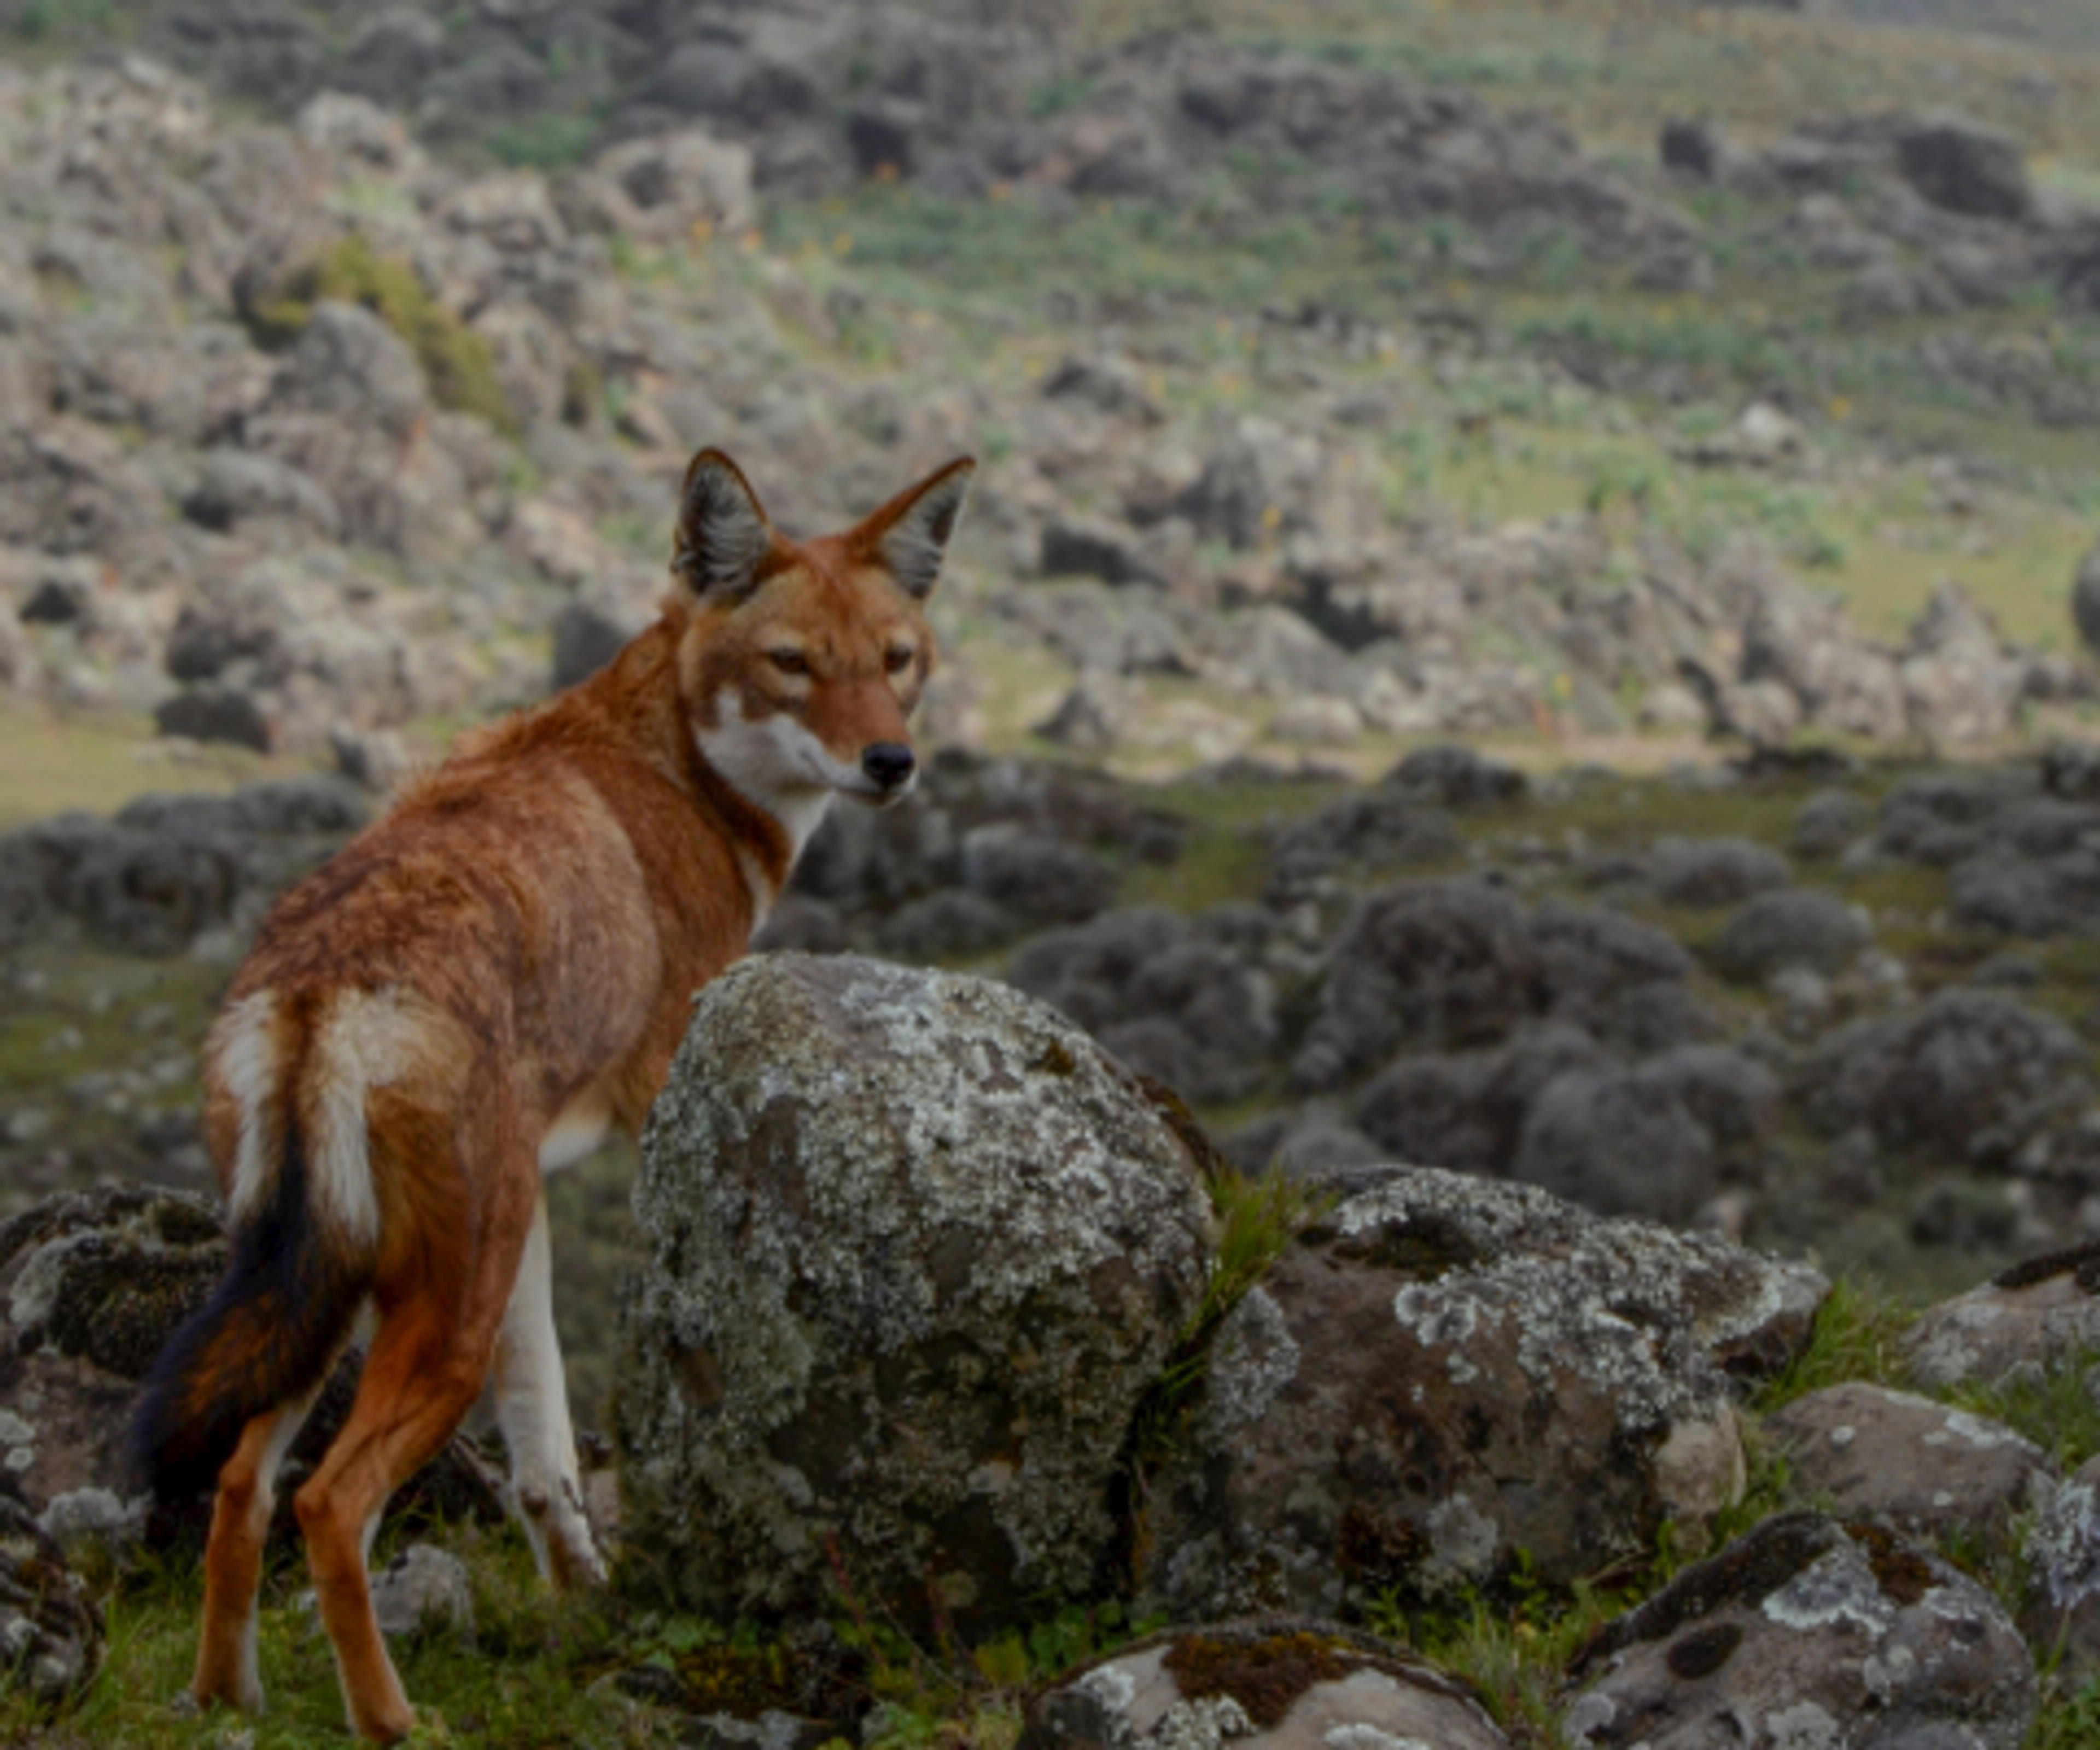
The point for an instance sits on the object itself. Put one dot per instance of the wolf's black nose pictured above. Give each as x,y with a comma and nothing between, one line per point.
888,763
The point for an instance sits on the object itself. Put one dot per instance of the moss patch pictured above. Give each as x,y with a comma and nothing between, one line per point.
456,360
1264,1677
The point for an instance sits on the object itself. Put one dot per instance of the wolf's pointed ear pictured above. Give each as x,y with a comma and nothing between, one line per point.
723,536
909,535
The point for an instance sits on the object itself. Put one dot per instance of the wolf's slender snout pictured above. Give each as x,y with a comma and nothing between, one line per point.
888,763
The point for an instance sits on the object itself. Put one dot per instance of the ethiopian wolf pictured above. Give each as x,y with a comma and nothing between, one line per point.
472,991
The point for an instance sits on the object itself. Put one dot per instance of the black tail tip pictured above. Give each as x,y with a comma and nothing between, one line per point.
170,1459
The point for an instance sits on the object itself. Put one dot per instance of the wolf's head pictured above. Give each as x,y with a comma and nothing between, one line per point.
801,660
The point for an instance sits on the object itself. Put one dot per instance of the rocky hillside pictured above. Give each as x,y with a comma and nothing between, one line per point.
316,435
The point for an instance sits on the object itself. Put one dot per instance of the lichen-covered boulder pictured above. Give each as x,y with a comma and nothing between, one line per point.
93,1284
916,1248
1919,1467
1274,1683
1447,1371
51,1636
1809,1633
2029,1318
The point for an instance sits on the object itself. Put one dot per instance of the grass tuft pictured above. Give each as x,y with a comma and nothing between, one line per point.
1858,1335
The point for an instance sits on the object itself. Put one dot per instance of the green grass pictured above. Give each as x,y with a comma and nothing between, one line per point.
1857,1331
522,1683
1614,67
51,763
549,141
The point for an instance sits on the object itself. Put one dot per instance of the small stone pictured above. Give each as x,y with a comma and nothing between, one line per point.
1906,1461
422,1590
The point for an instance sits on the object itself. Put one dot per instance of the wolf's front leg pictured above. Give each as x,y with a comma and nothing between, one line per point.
532,1409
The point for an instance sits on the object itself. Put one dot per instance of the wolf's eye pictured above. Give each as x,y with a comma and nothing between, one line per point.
788,662
898,657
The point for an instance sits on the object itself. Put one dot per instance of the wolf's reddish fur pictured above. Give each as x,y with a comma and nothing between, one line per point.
505,960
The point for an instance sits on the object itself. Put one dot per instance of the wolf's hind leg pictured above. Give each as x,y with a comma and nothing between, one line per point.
532,1409
227,1670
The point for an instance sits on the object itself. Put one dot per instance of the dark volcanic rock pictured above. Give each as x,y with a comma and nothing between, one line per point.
1447,1371
1653,1140
1968,1074
1308,1143
166,869
1173,998
1806,1633
1422,964
2085,600
216,714
1591,957
1829,821
1465,1110
1940,818
1795,927
1455,776
1373,831
1035,878
586,638
1966,168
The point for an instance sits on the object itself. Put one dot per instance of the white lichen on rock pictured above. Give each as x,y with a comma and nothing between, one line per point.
916,1248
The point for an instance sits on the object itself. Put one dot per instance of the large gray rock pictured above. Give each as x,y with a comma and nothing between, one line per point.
916,1248
1960,683
349,362
1806,1633
1446,1372
1275,1683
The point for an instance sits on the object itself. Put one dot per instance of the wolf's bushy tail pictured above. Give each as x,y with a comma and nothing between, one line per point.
269,1332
